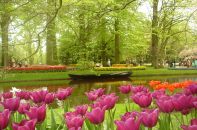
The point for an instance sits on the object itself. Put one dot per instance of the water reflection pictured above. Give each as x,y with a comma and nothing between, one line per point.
80,87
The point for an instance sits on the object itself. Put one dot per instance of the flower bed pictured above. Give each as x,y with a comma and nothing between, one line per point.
119,68
122,65
39,68
158,110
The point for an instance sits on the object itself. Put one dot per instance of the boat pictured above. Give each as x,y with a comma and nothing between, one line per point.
100,76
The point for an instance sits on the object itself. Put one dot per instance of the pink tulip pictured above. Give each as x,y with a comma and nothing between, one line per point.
107,101
165,104
94,94
128,115
62,94
139,89
74,121
4,118
38,96
96,116
125,89
49,98
38,113
129,124
158,93
7,95
192,88
180,101
81,110
11,104
193,125
194,121
25,125
23,107
150,117
142,99
195,104
23,95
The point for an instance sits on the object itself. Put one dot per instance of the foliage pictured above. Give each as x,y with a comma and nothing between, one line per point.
85,65
119,68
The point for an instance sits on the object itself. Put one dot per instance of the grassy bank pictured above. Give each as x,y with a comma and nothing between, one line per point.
64,75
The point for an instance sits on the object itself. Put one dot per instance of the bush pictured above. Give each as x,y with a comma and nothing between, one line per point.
120,68
85,65
122,65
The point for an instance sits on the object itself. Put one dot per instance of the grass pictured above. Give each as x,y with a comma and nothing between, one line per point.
64,75
176,117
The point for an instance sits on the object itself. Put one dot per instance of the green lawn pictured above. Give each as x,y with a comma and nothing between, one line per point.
64,75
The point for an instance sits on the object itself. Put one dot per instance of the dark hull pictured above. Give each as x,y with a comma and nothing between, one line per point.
101,76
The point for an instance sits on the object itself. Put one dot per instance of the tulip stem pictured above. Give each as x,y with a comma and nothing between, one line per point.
129,103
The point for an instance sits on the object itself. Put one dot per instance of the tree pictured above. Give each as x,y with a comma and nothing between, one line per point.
51,45
155,38
5,20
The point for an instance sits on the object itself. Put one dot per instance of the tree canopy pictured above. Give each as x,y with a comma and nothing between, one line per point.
70,31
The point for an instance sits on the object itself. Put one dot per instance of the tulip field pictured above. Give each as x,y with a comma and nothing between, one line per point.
160,106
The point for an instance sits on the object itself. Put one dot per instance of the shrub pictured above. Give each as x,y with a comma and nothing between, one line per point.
119,68
85,64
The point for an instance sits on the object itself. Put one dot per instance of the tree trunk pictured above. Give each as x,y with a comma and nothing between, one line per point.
117,42
4,35
51,45
155,38
31,59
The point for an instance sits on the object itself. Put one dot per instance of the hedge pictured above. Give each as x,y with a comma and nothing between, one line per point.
119,68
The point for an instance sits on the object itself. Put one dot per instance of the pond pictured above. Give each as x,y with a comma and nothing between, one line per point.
80,87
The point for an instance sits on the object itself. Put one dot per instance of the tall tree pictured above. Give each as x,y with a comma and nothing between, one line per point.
5,20
51,45
117,41
155,38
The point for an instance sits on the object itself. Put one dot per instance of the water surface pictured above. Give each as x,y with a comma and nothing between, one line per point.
80,87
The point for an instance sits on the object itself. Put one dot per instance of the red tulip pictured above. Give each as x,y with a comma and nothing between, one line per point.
62,94
96,116
23,95
39,96
142,99
73,121
11,104
125,89
150,117
49,98
38,113
7,95
25,125
23,107
4,118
